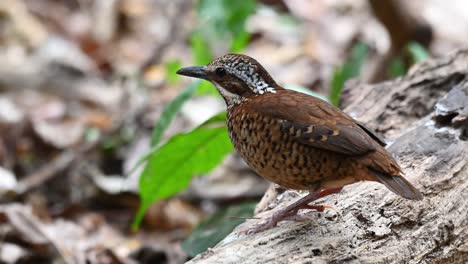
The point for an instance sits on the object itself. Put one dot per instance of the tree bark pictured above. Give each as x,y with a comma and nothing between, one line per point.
425,116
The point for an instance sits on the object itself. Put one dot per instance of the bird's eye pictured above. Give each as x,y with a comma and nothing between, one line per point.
220,72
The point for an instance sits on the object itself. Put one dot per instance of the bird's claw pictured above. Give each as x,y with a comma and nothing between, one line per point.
272,221
260,227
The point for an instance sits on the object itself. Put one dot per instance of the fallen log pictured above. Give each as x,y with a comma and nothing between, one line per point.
424,117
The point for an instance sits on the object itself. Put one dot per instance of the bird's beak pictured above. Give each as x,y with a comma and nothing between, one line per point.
194,71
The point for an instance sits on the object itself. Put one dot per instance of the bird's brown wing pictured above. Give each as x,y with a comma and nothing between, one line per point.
318,124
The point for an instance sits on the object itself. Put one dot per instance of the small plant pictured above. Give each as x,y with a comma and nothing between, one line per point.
171,166
414,52
350,69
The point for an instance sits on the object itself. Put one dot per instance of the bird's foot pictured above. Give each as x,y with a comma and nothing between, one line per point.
268,223
290,211
281,215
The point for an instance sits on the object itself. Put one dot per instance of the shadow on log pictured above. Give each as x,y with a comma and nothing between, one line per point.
425,117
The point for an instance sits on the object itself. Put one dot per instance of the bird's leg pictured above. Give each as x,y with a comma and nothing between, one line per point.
292,209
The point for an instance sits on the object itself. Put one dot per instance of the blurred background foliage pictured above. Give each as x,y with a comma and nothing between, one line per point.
98,130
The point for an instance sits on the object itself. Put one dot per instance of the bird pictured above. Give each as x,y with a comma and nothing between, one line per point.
296,140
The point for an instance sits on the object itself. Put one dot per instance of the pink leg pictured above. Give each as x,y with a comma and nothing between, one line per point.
292,210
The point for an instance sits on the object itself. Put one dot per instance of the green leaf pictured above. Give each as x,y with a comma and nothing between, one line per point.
397,67
417,52
206,88
350,69
223,22
337,82
168,114
218,119
92,134
171,167
240,41
200,49
210,232
170,111
171,68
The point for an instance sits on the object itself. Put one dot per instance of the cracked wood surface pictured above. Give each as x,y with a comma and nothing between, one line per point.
425,118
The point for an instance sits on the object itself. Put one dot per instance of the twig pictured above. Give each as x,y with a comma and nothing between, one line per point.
51,169
28,224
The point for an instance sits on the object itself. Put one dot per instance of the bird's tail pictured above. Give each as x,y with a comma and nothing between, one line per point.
398,184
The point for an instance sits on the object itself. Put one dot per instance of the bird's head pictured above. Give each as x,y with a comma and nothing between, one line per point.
236,77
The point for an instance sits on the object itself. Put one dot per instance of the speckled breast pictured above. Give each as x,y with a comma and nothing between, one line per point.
274,155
